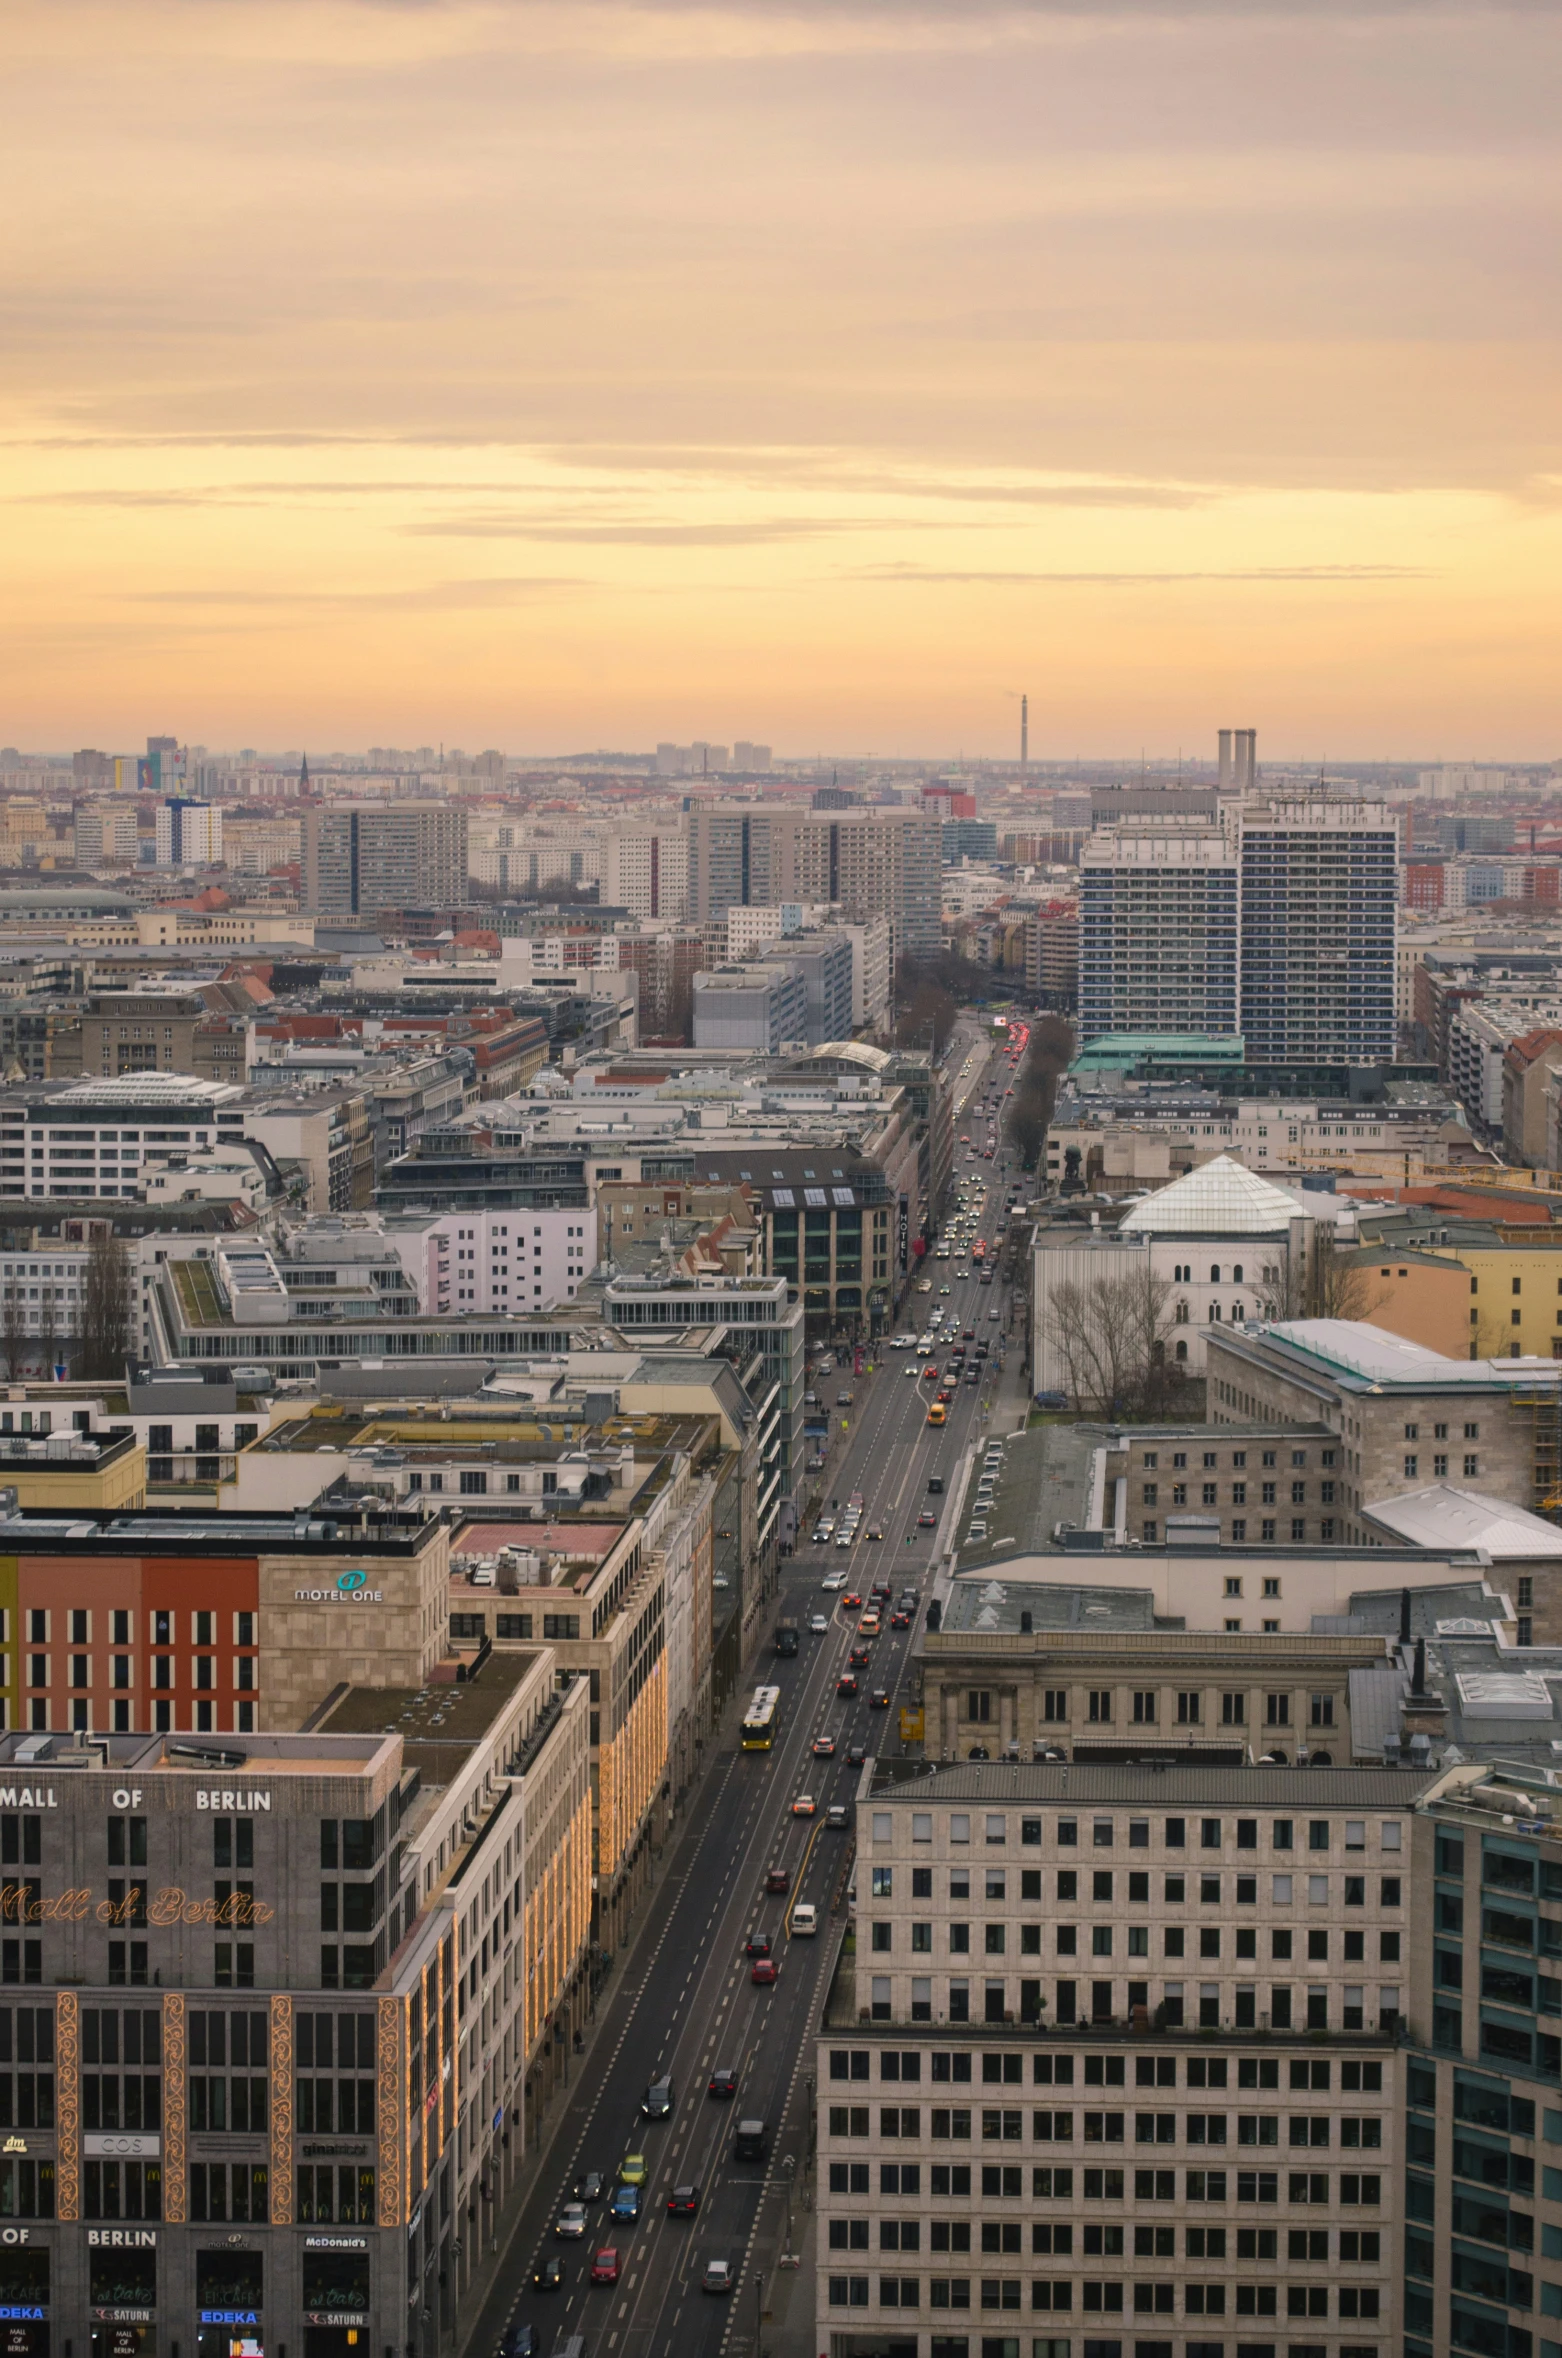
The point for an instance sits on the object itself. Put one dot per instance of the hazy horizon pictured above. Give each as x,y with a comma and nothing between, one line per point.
542,374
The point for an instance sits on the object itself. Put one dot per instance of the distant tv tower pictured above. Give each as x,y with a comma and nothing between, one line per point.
1024,731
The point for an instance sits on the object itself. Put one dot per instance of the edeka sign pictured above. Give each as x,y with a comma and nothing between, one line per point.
351,1588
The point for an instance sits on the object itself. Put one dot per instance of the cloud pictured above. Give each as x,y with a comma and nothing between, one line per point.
428,597
913,574
760,534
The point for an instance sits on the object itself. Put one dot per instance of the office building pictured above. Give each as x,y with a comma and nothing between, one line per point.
1319,888
874,862
189,834
105,835
760,1007
1158,930
645,869
1152,2094
364,857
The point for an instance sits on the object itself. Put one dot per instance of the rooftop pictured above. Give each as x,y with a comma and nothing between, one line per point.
1441,1516
439,1724
1221,1198
1165,1784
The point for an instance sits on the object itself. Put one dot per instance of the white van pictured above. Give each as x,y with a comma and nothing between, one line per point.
805,1920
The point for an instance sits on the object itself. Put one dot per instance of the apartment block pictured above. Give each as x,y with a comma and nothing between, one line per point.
1158,930
1319,892
1179,2057
874,862
363,857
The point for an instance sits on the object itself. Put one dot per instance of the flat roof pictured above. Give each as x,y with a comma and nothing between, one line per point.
439,1724
1168,1785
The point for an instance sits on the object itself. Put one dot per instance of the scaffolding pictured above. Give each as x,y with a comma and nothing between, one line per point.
1544,1403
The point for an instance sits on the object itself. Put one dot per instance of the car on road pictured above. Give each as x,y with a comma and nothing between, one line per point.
590,2186
837,1818
834,1581
548,2274
875,1531
803,1806
856,1754
911,1375
683,2202
718,2277
868,1626
633,2170
824,1529
571,2221
924,1285
723,2082
860,1657
968,1334
758,1945
658,2101
824,1747
604,2268
805,1920
764,1972
625,2203
900,1618
819,1625
935,1485
778,1879
878,1700
993,1317
944,1289
843,1399
846,1684
930,1372
518,2341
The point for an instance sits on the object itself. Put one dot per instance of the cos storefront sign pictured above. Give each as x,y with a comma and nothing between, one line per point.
351,1588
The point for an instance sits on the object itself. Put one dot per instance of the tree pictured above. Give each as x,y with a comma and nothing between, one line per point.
48,1331
1048,1055
13,1332
929,1011
107,1329
1330,1280
1112,1334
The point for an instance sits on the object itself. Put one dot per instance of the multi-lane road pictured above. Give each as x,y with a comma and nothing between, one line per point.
685,2004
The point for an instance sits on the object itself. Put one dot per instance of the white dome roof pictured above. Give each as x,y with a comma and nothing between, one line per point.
1220,1198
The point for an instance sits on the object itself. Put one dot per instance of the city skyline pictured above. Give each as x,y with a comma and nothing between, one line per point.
578,377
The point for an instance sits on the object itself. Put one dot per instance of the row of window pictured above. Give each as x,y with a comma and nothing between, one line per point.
201,1716
117,1626
1209,1495
199,1671
1358,2075
1136,1938
1006,2125
1268,1535
1110,2297
1144,1703
1004,2181
1106,1887
1217,2009
1208,1833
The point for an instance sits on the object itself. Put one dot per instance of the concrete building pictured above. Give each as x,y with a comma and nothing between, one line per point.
189,834
1224,1244
874,862
362,857
645,869
826,962
1158,930
105,835
760,1008
1318,916
1222,1990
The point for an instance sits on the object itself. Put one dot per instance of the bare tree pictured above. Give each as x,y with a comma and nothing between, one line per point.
106,1308
13,1331
48,1330
1112,1334
1328,1280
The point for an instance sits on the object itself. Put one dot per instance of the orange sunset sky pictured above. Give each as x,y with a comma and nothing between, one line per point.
560,375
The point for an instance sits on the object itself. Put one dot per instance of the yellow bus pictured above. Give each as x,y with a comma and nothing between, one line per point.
762,1720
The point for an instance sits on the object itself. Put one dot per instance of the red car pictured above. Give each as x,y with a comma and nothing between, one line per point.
765,1969
778,1879
968,1334
604,2268
930,1372
846,1684
927,1521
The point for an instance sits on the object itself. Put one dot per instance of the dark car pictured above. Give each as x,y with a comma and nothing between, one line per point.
927,1520
518,2341
658,2101
900,1618
723,2083
758,1945
778,1879
683,2202
935,1485
856,1754
878,1700
590,2186
846,1685
837,1818
548,2274
859,1657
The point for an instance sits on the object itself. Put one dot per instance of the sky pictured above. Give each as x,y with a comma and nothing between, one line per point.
552,374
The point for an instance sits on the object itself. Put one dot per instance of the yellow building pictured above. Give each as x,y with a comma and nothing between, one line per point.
100,1472
1515,1297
